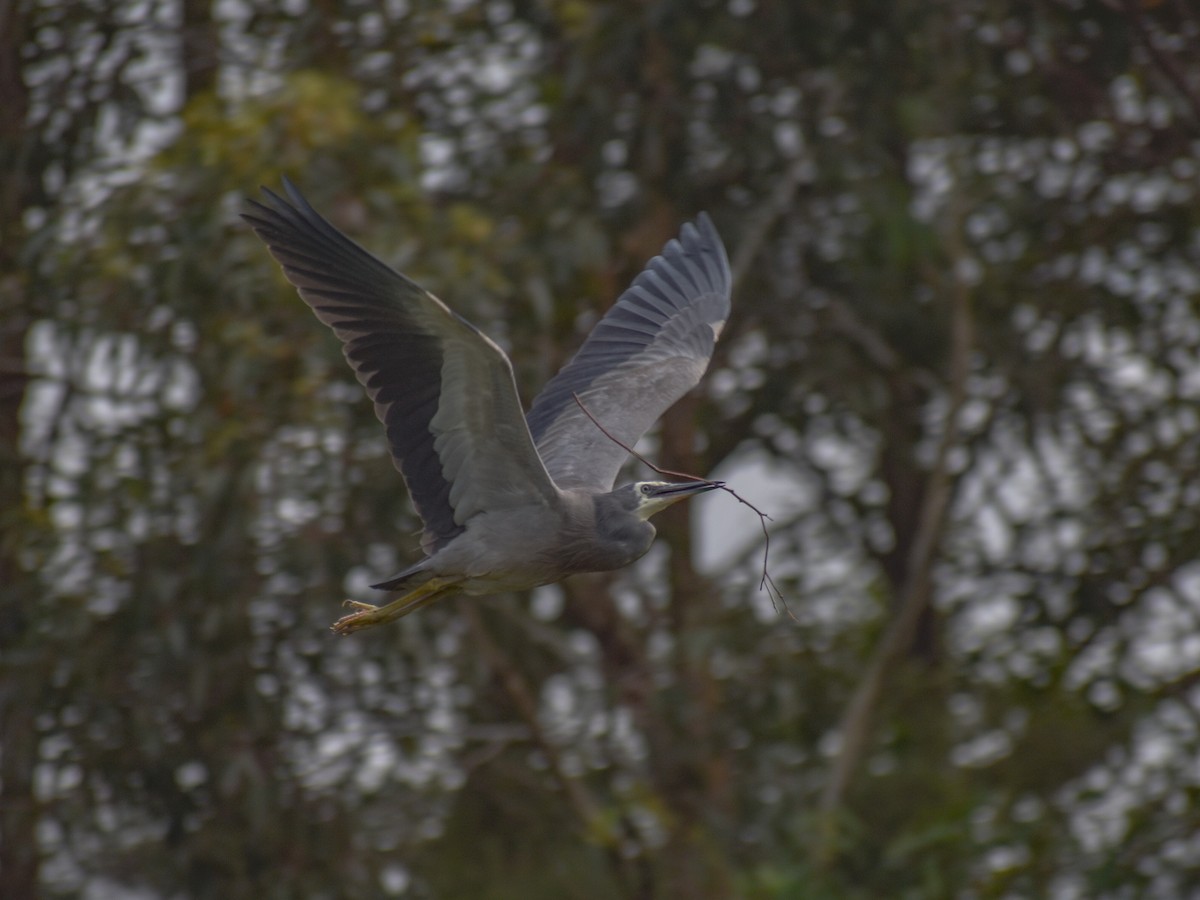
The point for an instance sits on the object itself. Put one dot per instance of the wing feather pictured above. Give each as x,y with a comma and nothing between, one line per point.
444,392
650,349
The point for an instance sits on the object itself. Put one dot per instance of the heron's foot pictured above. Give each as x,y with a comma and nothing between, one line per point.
367,615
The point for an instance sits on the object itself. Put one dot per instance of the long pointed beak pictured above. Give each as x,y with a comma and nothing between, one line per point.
686,489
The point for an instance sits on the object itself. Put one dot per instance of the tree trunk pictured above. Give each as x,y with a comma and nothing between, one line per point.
21,662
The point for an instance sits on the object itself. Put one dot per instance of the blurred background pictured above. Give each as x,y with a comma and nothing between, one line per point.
962,375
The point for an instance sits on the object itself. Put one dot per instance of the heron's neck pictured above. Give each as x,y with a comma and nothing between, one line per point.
619,535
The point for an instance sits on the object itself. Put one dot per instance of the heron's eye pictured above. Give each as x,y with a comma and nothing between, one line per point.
646,489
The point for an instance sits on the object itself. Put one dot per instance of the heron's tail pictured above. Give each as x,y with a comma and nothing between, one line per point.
409,578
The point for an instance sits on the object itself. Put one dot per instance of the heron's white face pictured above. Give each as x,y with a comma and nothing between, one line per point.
655,496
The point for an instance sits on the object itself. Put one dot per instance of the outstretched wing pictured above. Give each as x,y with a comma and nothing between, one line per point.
649,350
443,391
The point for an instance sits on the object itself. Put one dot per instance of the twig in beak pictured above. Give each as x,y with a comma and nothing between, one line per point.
766,583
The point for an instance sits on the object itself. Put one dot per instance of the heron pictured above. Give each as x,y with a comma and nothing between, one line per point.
508,501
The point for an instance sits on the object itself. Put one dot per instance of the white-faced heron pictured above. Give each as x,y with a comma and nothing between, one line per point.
509,501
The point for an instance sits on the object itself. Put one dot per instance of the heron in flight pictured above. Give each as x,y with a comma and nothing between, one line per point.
509,500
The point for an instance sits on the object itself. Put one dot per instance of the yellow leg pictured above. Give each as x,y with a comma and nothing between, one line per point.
368,615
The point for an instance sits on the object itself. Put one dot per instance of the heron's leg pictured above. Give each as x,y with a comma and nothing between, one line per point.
368,616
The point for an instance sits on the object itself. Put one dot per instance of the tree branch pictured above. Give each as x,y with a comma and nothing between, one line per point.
522,698
755,236
580,802
858,720
1165,63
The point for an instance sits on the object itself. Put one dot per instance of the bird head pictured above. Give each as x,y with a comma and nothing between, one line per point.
650,497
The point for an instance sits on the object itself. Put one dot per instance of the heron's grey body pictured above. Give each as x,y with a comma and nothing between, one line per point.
508,501
586,533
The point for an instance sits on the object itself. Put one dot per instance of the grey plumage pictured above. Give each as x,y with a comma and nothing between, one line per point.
508,501
648,351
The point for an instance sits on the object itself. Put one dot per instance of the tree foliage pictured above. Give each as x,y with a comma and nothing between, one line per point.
962,374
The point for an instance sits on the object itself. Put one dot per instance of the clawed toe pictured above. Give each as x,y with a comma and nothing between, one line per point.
354,621
367,615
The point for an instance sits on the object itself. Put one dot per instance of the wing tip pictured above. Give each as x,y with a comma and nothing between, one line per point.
277,204
706,230
700,243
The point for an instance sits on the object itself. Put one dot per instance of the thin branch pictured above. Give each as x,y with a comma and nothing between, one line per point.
1165,63
766,582
581,803
616,440
522,698
755,235
874,347
585,809
745,555
856,724
841,313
